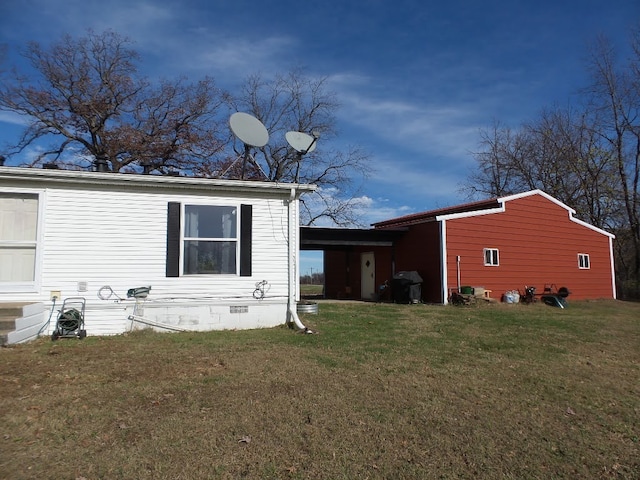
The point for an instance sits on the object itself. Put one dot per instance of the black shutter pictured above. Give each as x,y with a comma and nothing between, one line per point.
246,220
173,239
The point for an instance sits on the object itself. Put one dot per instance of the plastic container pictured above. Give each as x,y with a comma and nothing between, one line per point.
511,297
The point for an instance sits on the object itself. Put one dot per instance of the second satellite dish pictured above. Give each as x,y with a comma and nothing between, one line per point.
249,129
301,142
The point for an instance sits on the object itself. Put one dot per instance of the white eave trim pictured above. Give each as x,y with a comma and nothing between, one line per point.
536,192
503,200
588,225
106,179
571,211
474,213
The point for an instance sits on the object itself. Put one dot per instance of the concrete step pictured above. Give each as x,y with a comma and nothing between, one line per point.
4,337
20,322
8,324
9,312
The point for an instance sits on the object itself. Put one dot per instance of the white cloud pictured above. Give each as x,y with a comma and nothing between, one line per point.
236,57
14,119
428,129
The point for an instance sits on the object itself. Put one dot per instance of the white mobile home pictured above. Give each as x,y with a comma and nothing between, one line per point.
217,254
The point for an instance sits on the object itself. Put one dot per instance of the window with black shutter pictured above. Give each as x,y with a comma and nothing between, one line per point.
208,240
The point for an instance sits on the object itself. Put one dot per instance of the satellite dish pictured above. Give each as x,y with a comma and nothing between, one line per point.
252,133
301,142
249,129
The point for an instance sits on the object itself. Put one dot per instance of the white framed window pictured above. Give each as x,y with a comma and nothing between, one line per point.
19,237
210,239
583,261
491,257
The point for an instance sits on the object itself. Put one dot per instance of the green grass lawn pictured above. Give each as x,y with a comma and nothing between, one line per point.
311,290
379,391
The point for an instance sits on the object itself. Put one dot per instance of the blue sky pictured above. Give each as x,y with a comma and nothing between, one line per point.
417,79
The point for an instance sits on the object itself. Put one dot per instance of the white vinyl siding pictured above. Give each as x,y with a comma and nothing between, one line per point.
98,240
119,241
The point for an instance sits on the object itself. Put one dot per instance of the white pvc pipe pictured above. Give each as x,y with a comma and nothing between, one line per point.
293,270
294,316
136,318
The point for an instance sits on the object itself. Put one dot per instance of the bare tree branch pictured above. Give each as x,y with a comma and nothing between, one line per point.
89,102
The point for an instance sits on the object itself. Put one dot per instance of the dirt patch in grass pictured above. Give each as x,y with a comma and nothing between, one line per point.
381,391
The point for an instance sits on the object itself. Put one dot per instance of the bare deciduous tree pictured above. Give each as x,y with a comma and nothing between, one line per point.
88,101
587,157
614,96
85,97
296,102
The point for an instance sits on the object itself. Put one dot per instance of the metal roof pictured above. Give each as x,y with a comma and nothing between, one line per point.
431,215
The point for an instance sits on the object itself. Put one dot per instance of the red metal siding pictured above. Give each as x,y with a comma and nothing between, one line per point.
342,270
419,250
538,244
384,264
340,274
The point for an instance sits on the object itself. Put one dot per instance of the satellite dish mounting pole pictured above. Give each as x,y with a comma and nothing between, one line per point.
244,159
310,147
299,155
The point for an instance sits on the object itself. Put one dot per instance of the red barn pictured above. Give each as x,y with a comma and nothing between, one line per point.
502,244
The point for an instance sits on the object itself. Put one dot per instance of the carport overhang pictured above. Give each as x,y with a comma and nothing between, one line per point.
320,238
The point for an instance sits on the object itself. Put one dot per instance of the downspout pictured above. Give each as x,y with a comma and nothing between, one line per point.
293,211
443,262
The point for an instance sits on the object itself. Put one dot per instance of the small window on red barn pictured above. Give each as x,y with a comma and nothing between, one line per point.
583,261
491,257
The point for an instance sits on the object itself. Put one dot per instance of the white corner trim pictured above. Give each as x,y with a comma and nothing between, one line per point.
613,269
444,277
